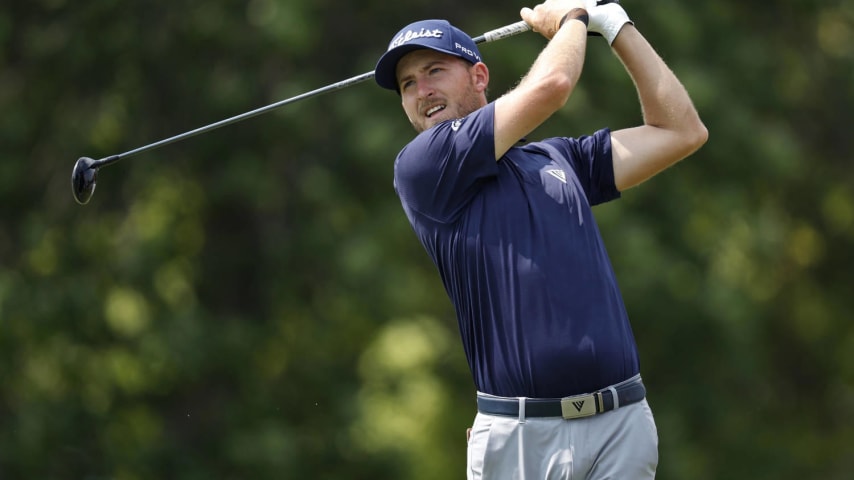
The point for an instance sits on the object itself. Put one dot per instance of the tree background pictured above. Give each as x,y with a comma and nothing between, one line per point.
252,304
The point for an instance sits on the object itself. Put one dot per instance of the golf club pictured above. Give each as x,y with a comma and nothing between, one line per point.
85,172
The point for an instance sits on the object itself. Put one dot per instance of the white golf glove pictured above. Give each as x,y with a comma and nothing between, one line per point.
606,19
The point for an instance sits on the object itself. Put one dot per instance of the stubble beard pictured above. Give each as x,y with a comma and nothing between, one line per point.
469,102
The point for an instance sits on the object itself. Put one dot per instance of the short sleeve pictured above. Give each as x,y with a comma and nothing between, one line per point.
590,157
441,170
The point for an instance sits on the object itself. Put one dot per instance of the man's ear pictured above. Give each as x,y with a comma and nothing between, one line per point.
480,76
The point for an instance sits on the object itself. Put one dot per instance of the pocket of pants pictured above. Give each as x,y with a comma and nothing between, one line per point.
652,431
477,444
650,420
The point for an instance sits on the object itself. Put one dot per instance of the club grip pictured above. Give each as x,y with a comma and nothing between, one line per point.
503,32
517,28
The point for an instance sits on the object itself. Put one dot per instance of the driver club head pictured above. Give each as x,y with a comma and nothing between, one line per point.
83,179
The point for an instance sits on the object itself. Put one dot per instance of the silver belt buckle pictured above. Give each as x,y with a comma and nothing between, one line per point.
579,406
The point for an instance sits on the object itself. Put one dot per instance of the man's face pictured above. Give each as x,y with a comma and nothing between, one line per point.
435,87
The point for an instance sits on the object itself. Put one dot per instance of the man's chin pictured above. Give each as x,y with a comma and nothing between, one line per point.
424,125
431,122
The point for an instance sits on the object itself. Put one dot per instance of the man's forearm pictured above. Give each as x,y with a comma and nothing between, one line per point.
563,57
664,101
544,90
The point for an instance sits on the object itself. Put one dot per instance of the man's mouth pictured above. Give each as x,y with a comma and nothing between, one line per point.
432,110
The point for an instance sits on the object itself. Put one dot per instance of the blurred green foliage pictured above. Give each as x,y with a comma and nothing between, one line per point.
251,303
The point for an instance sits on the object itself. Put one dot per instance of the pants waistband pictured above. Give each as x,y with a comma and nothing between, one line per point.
577,406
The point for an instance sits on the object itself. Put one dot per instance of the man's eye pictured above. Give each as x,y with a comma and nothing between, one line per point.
406,84
435,70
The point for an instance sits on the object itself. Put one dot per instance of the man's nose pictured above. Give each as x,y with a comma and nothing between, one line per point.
425,90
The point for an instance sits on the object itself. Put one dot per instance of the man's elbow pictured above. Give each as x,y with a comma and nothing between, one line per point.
556,89
701,135
695,135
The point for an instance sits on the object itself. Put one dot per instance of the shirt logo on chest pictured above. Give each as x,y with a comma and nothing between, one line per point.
558,174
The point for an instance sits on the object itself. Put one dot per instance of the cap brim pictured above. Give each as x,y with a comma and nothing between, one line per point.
385,73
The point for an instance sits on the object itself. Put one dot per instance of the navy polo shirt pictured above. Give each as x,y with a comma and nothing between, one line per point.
520,255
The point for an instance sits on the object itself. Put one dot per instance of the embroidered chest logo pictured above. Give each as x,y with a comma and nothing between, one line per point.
558,174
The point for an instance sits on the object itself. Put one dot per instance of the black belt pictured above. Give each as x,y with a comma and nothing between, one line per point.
628,392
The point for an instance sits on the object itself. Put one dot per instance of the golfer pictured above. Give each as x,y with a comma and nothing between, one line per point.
508,224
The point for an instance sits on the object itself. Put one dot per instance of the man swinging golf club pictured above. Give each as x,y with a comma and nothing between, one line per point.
509,226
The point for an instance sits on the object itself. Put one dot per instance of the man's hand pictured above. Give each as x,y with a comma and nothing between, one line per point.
606,19
547,17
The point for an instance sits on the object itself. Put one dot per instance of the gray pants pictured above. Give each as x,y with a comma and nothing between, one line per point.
620,444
